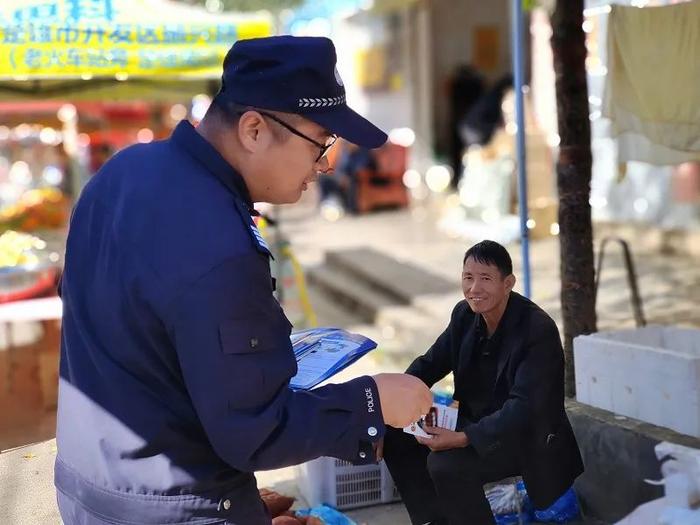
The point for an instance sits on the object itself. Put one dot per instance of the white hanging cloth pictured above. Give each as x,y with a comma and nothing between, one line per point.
652,90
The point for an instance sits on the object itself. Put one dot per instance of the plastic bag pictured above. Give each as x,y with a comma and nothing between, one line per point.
327,514
681,472
563,510
509,503
522,518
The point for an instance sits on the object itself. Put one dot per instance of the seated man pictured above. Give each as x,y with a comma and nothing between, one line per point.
508,366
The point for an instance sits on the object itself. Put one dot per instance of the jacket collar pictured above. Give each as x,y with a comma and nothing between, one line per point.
187,138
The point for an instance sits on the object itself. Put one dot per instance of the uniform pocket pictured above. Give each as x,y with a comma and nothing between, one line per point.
247,335
259,351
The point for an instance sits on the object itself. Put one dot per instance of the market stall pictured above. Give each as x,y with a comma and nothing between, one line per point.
76,75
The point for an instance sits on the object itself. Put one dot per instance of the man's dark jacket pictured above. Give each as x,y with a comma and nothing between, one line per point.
530,421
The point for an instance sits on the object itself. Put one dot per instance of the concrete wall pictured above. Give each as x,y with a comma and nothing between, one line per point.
618,454
387,108
650,373
428,40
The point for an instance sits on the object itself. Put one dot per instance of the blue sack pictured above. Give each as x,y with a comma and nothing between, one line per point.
513,519
563,510
327,514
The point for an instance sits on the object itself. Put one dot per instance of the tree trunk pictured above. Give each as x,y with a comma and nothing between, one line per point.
573,178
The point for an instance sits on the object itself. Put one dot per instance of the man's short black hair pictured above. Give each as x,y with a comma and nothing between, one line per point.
226,110
493,254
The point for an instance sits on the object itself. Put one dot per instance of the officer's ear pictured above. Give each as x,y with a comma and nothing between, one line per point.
254,134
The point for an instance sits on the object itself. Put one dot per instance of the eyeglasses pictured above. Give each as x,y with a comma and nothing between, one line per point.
323,147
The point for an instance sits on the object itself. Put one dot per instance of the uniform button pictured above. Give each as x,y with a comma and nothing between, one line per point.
227,504
372,431
253,344
363,455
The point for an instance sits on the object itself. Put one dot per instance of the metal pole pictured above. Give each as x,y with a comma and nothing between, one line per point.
517,50
635,298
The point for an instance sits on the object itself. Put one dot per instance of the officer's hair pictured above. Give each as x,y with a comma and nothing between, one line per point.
492,254
230,113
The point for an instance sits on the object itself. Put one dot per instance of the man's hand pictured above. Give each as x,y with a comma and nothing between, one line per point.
404,398
443,439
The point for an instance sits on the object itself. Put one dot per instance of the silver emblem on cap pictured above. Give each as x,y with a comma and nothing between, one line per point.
337,77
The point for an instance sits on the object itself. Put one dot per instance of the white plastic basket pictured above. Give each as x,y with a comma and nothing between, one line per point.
343,485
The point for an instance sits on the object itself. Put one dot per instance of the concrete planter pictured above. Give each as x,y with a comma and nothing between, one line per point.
651,374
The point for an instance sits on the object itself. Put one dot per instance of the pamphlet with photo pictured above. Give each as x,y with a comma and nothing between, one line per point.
439,416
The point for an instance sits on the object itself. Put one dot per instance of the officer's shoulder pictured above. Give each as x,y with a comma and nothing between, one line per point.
179,216
136,165
136,153
110,180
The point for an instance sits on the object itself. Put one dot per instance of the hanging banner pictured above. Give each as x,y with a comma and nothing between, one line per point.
123,38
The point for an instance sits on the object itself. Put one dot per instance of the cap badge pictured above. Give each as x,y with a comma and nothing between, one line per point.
337,77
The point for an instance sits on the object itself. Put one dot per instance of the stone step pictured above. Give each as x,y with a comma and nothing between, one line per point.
329,311
362,299
412,329
399,280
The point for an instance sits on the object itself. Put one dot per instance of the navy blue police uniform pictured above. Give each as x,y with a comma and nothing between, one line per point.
175,355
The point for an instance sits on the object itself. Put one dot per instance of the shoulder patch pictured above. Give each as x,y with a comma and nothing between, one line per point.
257,238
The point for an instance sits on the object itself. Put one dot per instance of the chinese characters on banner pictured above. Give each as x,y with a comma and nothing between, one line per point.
70,38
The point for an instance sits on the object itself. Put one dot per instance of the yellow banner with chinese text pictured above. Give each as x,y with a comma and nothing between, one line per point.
118,38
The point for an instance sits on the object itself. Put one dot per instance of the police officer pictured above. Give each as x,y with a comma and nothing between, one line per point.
175,356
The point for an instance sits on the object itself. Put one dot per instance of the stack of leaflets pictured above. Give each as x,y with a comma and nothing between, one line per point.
323,352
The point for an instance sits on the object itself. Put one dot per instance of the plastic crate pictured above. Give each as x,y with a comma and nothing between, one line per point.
343,485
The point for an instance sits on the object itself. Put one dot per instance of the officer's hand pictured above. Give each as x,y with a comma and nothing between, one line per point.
404,398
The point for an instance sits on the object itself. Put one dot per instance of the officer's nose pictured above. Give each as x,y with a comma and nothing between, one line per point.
323,165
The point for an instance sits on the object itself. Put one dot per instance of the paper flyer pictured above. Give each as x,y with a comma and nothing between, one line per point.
323,352
438,416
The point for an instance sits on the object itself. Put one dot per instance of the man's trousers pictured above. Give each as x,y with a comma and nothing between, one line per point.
447,486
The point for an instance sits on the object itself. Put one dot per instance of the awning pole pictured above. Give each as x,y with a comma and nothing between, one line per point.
517,49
